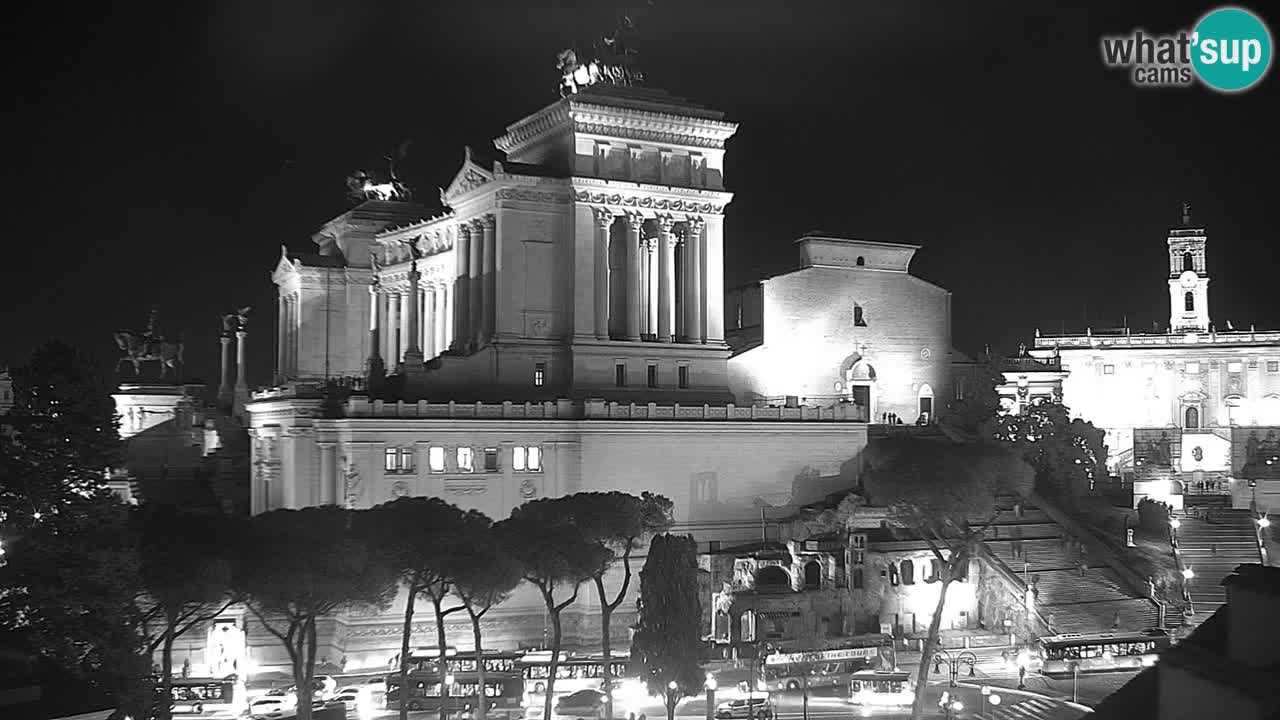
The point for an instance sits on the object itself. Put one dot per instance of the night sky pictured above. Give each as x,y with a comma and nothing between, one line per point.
164,157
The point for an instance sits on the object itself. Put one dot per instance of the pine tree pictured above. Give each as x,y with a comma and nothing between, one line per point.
668,640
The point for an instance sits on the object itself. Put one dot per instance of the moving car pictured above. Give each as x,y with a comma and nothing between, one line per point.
583,703
275,704
758,706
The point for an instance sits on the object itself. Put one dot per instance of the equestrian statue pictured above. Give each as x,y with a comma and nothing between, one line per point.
149,345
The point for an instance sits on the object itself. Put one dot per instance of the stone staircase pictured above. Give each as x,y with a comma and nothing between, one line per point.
1074,592
1213,547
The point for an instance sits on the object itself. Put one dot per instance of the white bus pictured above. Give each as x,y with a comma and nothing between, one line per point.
881,688
209,698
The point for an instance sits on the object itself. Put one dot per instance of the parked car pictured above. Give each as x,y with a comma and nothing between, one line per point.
350,696
275,704
753,707
583,703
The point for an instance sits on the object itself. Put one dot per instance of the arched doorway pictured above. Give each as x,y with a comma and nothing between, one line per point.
224,648
813,575
860,381
925,398
1192,418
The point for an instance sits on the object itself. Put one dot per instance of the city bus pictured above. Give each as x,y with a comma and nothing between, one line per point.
881,688
829,668
1101,652
208,697
574,673
503,686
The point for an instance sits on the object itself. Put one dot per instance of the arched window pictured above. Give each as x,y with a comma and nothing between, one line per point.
935,571
1193,418
1188,262
857,578
858,319
1189,302
893,574
1235,409
908,572
813,575
861,261
772,577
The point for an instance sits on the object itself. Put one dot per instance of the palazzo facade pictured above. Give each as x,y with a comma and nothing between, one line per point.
1195,410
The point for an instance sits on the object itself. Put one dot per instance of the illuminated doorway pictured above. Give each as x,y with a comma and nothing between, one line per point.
225,649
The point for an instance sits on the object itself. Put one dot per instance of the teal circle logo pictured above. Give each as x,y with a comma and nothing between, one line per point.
1231,49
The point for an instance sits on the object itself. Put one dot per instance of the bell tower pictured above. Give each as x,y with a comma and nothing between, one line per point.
1188,277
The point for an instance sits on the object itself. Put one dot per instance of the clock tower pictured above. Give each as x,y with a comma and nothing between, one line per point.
1188,279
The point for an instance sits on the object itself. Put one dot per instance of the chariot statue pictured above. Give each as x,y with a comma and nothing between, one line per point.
149,345
363,185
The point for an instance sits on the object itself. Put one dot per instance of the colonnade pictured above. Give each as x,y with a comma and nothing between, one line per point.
652,278
429,309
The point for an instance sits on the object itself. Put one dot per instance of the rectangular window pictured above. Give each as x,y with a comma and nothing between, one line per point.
620,374
435,458
406,460
1235,367
389,459
1108,369
1273,366
465,459
651,377
491,459
539,374
526,458
682,377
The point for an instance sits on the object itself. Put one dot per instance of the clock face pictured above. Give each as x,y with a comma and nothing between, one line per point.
1189,278
925,353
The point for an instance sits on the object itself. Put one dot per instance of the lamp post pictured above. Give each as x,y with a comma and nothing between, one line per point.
672,687
953,662
1023,660
988,697
710,686
444,695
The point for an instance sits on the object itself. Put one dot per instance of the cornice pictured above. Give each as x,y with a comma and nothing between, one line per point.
658,198
577,427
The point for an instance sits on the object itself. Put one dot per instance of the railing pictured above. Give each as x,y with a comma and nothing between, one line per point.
1177,560
596,409
1092,338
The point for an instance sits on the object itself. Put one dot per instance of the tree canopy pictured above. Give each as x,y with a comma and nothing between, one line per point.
1068,455
668,640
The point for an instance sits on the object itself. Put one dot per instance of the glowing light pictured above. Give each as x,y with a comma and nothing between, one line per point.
994,699
1188,573
711,682
957,706
672,685
1264,522
448,679
1175,523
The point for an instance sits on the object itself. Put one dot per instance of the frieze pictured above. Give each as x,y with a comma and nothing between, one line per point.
299,432
528,195
453,487
664,137
649,203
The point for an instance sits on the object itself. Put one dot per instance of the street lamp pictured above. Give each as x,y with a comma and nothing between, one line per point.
1188,573
1024,659
953,663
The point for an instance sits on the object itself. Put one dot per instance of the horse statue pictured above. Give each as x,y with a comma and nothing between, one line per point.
139,348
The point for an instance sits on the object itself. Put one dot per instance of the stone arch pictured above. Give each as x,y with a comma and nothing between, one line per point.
1192,417
812,575
924,399
1235,410
772,576
861,262
1188,261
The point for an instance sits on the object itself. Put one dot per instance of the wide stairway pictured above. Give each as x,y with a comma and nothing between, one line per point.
1213,547
1074,592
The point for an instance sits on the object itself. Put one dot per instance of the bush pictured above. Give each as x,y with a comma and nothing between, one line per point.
1153,516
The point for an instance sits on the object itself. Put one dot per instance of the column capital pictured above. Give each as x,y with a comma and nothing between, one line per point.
665,223
604,218
488,221
464,229
696,223
635,221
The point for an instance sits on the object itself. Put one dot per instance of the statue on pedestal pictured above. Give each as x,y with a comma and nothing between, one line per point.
149,345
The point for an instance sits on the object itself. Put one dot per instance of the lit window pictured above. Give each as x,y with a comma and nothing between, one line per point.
1108,369
652,376
435,458
465,458
1273,366
539,374
620,374
406,460
1193,367
490,459
389,459
526,458
1234,367
682,376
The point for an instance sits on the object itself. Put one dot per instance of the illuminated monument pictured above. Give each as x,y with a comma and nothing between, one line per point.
1195,410
558,327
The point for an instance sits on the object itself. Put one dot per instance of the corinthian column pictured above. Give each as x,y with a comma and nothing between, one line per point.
411,317
281,323
634,294
475,284
604,221
488,300
429,347
694,284
666,279
461,294
440,315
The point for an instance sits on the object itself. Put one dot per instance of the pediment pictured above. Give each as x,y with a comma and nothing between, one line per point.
469,177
